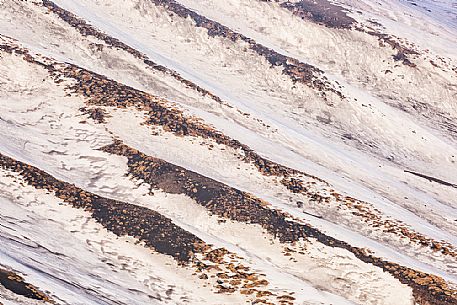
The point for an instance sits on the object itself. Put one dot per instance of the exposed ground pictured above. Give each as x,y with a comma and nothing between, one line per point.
228,152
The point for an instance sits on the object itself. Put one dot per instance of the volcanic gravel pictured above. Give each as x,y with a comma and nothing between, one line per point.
320,11
123,218
102,91
155,230
15,283
88,30
233,204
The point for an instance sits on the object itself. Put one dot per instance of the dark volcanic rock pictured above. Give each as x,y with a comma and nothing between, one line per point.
217,197
159,232
155,230
16,284
296,70
96,114
88,30
319,11
233,204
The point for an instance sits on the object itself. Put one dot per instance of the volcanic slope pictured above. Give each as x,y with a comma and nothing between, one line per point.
209,152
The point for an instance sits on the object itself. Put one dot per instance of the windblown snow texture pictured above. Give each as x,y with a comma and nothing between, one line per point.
228,152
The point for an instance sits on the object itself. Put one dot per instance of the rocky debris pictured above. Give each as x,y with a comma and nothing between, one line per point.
293,184
321,11
334,16
402,51
218,198
428,289
17,284
88,30
96,114
230,203
102,91
400,56
296,70
369,214
230,274
154,230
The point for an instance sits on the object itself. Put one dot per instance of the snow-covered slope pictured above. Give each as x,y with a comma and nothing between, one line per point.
228,152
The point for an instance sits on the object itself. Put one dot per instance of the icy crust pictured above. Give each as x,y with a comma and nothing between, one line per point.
85,263
81,225
418,190
173,123
227,167
63,131
109,56
109,94
91,202
365,114
379,74
91,170
71,155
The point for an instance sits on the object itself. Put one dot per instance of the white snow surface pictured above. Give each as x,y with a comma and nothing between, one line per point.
360,145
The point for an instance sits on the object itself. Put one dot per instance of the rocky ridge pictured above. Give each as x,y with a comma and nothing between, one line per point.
101,91
16,283
222,268
232,204
168,208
